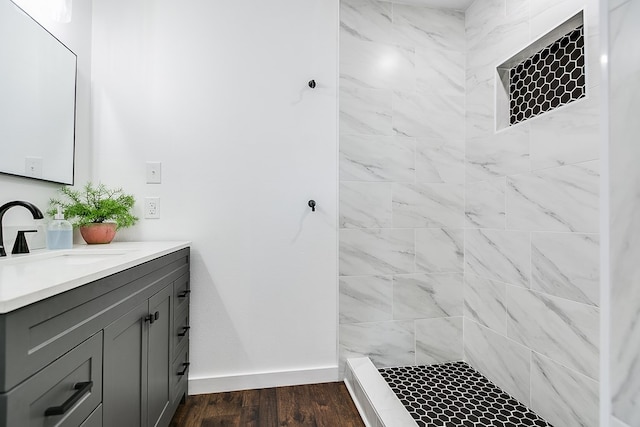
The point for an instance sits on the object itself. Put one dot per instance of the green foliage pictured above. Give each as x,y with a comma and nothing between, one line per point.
94,204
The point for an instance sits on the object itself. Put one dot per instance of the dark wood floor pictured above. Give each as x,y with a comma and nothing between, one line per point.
316,405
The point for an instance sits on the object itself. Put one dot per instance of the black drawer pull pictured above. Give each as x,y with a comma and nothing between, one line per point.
184,331
183,294
82,389
185,369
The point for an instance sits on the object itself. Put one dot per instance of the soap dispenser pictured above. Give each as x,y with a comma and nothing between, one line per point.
59,232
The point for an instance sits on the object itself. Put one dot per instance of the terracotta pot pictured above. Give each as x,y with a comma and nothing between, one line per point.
98,233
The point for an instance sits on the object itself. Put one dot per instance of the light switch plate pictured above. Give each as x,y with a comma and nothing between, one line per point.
154,172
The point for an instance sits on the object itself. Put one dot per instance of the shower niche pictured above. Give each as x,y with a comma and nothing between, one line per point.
547,74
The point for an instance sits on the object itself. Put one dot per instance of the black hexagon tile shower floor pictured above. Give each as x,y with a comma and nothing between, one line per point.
456,395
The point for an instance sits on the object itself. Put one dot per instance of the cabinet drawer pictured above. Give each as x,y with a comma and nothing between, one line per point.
181,331
180,373
63,394
181,292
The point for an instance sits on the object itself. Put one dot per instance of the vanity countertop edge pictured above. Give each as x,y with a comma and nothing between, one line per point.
35,277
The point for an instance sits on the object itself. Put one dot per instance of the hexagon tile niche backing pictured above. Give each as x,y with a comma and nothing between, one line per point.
550,78
455,395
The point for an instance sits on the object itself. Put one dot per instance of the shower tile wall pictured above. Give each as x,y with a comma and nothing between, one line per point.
531,309
624,104
401,183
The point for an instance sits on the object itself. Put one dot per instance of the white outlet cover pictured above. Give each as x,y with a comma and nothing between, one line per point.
152,207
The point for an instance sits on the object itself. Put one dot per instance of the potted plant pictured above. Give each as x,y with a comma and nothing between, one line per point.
96,210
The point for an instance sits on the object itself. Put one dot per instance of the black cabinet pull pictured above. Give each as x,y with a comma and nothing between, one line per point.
82,389
152,317
184,331
185,369
184,293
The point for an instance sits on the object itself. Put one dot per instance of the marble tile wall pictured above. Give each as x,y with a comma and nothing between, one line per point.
531,253
624,206
402,176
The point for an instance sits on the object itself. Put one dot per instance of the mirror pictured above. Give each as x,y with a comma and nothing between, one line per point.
37,99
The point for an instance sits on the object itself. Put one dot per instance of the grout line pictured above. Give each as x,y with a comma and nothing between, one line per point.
530,376
568,368
530,260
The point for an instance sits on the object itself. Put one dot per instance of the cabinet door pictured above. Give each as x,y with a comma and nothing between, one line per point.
160,341
125,370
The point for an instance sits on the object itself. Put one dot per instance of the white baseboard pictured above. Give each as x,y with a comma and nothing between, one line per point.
262,380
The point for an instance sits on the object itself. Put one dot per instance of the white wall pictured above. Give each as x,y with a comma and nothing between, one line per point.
217,91
77,36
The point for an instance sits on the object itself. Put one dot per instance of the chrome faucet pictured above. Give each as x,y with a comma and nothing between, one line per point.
37,214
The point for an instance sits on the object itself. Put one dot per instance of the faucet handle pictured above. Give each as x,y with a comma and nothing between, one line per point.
20,246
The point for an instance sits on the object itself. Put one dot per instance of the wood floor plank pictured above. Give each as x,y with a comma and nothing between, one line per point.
316,405
294,407
250,408
321,401
224,404
343,404
222,421
251,398
189,414
268,415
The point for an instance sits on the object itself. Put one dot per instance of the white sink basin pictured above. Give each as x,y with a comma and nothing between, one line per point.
82,258
65,257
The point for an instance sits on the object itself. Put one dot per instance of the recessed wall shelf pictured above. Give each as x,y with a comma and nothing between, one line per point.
544,76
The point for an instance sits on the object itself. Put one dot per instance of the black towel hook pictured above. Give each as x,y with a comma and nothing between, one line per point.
312,205
312,84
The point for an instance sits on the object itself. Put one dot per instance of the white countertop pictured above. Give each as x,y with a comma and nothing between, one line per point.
29,278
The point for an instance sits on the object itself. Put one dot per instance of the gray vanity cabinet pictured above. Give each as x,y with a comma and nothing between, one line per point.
112,345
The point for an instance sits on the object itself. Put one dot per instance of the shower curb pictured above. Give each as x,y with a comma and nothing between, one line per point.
377,404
